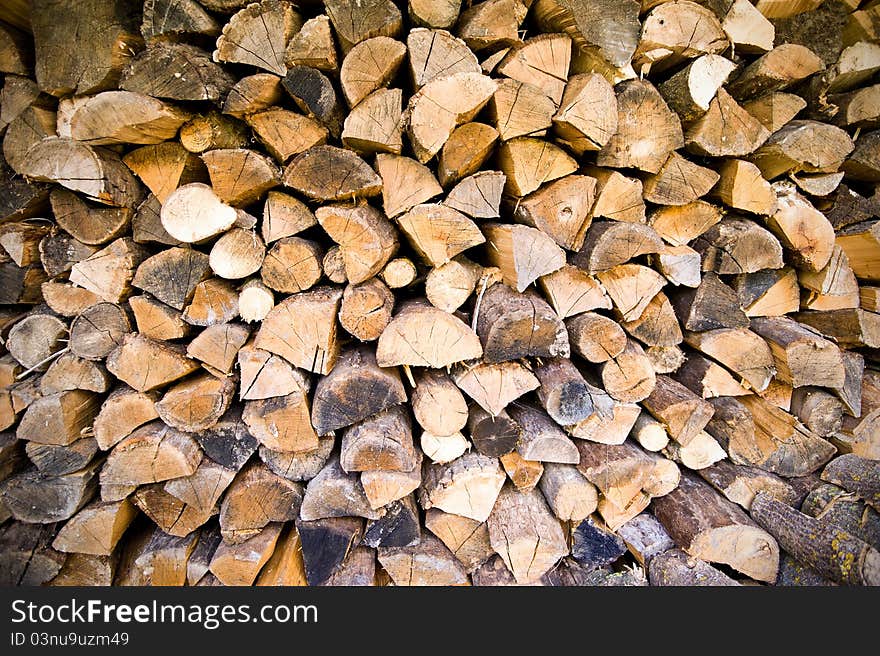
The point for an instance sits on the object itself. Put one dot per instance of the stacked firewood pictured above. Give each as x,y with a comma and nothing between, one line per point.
562,292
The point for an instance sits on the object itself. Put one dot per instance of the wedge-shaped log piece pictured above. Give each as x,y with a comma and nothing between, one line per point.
281,423
398,527
571,292
171,275
326,543
634,145
357,388
240,563
520,109
65,66
526,535
741,186
254,499
707,378
464,152
711,305
658,325
58,418
680,410
487,24
434,54
86,223
439,233
827,548
522,253
466,538
115,117
366,309
513,326
528,163
423,336
495,386
33,497
610,243
96,529
370,65
709,527
542,440
802,357
176,71
587,115
740,350
429,562
803,146
328,173
146,364
725,130
302,330
478,195
96,173
679,182
381,442
782,67
315,95
541,61
672,33
366,239
254,174
334,493
164,167
151,454
467,486
631,287
176,17
299,465
405,183
690,91
123,410
738,246
197,403
258,35
382,487
442,105
560,209
194,213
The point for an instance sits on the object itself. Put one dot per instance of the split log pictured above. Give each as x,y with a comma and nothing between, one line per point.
298,465
448,286
151,454
292,265
85,570
326,543
849,327
436,53
88,67
382,442
638,105
170,18
27,556
442,105
631,288
374,126
164,363
197,403
281,423
495,386
707,378
239,564
70,372
176,71
313,46
58,418
571,291
520,109
525,534
610,243
478,195
524,474
741,186
122,412
725,130
334,493
409,339
384,487
541,439
405,183
242,517
366,239
522,253
801,356
427,563
529,163
681,225
438,404
657,326
672,33
830,550
628,377
587,115
697,517
468,486
465,151
740,350
593,545
328,173
399,527
33,340
156,320
689,92
258,36
467,539
32,497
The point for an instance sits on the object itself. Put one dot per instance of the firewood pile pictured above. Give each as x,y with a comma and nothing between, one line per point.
559,292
